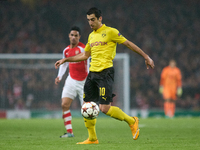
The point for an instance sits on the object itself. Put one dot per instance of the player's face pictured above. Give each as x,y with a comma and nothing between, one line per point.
94,22
74,37
172,63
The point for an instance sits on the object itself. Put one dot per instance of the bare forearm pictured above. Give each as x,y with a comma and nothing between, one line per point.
135,48
76,58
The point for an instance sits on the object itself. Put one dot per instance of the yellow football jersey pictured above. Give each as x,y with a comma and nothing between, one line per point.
102,44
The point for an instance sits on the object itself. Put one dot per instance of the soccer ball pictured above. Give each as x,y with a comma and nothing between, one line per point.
90,110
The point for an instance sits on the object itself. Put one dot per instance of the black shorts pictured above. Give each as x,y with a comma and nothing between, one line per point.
98,86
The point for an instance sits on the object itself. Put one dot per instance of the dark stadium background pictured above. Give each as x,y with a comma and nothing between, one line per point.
163,29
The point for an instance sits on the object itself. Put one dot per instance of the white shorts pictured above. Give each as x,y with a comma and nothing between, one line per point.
72,88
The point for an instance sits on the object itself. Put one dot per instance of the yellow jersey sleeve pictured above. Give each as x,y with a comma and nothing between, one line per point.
87,47
117,37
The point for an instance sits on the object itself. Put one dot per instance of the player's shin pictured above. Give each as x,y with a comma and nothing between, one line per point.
67,117
117,113
90,125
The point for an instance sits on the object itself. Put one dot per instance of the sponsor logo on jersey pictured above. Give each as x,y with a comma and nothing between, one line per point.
98,43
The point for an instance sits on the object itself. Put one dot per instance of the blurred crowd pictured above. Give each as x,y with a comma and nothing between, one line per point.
163,29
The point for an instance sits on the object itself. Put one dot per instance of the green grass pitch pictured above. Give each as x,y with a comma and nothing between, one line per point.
155,134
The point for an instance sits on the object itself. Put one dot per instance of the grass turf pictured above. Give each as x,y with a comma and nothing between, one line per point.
155,134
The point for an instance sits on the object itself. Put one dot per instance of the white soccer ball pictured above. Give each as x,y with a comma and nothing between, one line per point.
90,110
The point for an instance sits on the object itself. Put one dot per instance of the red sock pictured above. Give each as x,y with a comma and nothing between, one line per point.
67,121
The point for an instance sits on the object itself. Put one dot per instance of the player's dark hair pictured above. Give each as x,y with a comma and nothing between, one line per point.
76,29
94,11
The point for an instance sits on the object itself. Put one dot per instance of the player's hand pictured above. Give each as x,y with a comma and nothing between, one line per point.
149,62
179,91
58,63
57,80
161,89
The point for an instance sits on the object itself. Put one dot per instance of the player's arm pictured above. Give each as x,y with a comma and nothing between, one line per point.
61,72
80,57
162,78
135,48
179,83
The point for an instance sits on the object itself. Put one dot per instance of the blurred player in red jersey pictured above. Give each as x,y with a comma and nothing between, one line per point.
170,86
74,83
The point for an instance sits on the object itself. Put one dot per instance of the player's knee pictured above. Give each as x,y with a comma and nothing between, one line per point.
103,111
65,105
104,108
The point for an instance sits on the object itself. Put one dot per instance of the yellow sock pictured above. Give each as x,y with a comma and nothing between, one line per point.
117,113
90,125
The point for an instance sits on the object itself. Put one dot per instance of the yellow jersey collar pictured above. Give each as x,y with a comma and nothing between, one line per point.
101,28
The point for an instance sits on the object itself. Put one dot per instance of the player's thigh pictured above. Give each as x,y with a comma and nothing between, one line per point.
90,90
169,93
66,102
173,95
104,107
69,89
80,85
105,86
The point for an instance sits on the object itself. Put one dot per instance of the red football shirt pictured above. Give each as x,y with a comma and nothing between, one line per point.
77,70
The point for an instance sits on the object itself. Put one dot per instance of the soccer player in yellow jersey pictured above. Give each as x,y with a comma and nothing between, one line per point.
101,47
